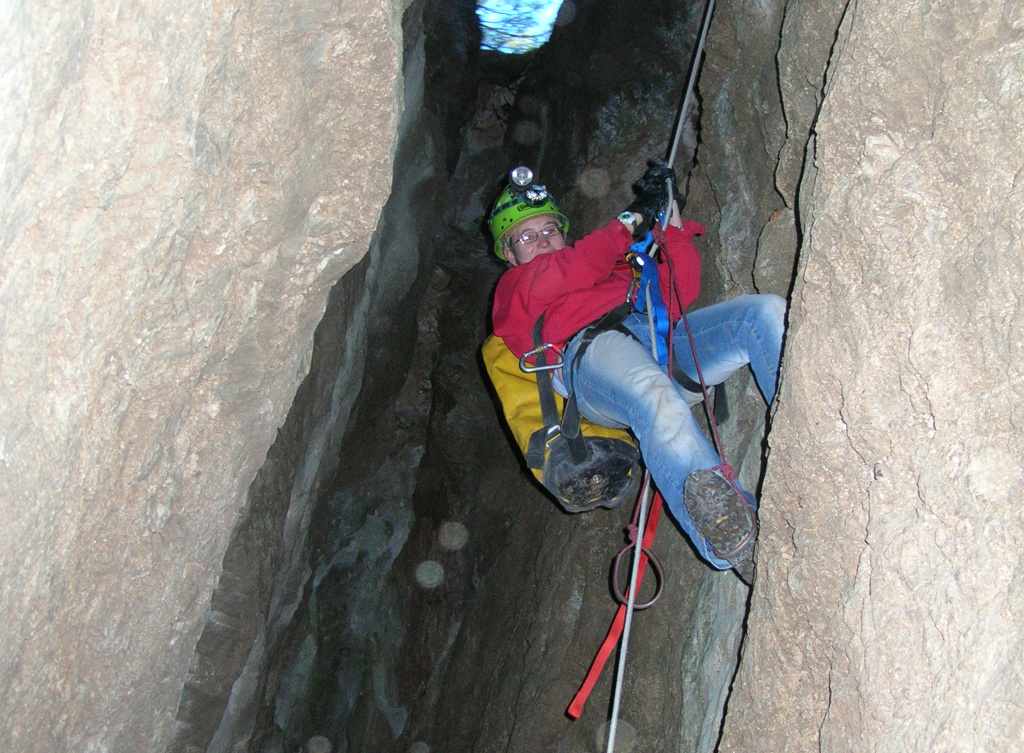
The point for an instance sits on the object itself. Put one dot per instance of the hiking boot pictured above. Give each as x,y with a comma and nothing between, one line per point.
725,519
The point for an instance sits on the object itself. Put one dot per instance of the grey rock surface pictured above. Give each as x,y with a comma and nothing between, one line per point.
182,185
888,613
307,613
371,657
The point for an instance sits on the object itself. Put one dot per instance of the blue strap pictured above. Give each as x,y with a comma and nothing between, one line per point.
649,281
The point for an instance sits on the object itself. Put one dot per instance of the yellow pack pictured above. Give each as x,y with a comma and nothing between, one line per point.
611,471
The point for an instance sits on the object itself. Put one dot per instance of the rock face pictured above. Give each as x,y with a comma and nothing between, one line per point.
392,631
330,509
889,609
182,188
182,185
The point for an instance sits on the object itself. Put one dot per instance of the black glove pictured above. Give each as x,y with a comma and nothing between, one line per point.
652,194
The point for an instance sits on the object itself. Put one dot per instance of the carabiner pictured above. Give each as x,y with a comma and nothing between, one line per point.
537,351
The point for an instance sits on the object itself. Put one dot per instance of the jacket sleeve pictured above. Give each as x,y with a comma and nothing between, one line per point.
578,267
683,265
526,291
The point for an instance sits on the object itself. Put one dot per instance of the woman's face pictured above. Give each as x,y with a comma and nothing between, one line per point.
533,237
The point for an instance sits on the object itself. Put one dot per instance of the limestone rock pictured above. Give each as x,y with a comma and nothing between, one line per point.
182,185
889,611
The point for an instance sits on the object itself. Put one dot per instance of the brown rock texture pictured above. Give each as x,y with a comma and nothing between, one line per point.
887,614
182,185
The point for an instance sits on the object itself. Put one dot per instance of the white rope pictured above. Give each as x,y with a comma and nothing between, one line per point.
641,524
645,493
641,527
694,67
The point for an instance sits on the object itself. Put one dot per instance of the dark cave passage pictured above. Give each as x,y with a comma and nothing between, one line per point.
394,636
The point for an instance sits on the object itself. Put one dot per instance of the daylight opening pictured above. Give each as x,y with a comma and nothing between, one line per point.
517,26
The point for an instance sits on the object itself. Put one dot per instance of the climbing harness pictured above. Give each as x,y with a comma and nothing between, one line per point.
647,294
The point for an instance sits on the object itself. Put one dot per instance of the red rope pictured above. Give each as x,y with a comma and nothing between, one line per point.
726,470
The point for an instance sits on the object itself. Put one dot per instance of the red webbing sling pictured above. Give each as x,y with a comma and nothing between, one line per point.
615,631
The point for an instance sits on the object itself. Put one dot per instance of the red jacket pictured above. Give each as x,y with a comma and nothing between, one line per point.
577,285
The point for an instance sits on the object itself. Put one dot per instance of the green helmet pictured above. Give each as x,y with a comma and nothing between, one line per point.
522,200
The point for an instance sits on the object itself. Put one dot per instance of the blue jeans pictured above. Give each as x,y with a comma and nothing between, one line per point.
618,383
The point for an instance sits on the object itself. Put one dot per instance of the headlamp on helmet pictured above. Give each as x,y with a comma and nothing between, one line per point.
521,200
535,195
521,176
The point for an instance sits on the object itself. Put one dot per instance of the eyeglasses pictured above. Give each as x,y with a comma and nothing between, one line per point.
532,236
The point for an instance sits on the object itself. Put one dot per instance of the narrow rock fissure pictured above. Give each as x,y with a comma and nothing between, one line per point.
257,494
401,637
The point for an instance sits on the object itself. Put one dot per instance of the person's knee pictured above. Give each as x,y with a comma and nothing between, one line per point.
775,304
772,310
654,401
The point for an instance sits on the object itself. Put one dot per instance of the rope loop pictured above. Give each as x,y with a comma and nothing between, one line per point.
659,576
659,235
729,475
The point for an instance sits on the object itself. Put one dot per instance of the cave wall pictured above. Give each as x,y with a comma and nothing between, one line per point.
490,658
887,611
881,616
182,186
376,659
264,673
